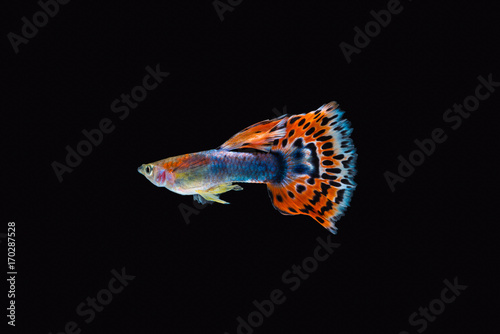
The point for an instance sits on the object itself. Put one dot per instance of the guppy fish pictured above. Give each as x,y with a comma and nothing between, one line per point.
307,162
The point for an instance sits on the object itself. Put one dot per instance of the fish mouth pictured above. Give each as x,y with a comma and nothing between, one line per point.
140,169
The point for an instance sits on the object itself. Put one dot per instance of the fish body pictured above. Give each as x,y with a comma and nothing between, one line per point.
191,173
307,162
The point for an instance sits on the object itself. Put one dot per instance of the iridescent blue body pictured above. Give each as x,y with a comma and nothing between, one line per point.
221,166
196,173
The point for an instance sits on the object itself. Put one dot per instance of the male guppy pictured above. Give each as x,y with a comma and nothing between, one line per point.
307,161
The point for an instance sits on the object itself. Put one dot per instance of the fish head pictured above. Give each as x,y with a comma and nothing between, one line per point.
158,175
185,174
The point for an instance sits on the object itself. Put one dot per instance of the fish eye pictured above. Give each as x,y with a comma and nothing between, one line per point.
149,170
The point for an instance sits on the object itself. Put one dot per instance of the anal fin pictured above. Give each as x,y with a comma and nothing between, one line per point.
212,194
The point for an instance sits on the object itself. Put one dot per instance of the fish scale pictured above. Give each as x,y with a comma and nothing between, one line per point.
225,166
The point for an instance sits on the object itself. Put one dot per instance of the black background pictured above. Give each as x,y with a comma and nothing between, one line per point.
396,247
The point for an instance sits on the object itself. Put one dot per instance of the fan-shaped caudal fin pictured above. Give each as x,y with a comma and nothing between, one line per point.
259,136
320,160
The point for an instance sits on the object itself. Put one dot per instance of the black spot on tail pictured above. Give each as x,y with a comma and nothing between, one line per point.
346,182
328,176
326,146
326,120
310,131
324,138
334,184
319,133
340,196
349,162
327,207
334,170
307,208
324,188
298,143
318,194
300,188
316,197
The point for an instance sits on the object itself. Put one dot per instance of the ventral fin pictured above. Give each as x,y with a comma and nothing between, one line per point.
259,136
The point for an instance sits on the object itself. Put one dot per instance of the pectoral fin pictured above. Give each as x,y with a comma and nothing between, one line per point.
212,194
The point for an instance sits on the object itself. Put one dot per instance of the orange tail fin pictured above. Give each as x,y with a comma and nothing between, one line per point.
320,158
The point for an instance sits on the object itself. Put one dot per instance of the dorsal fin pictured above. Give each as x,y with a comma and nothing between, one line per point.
259,136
